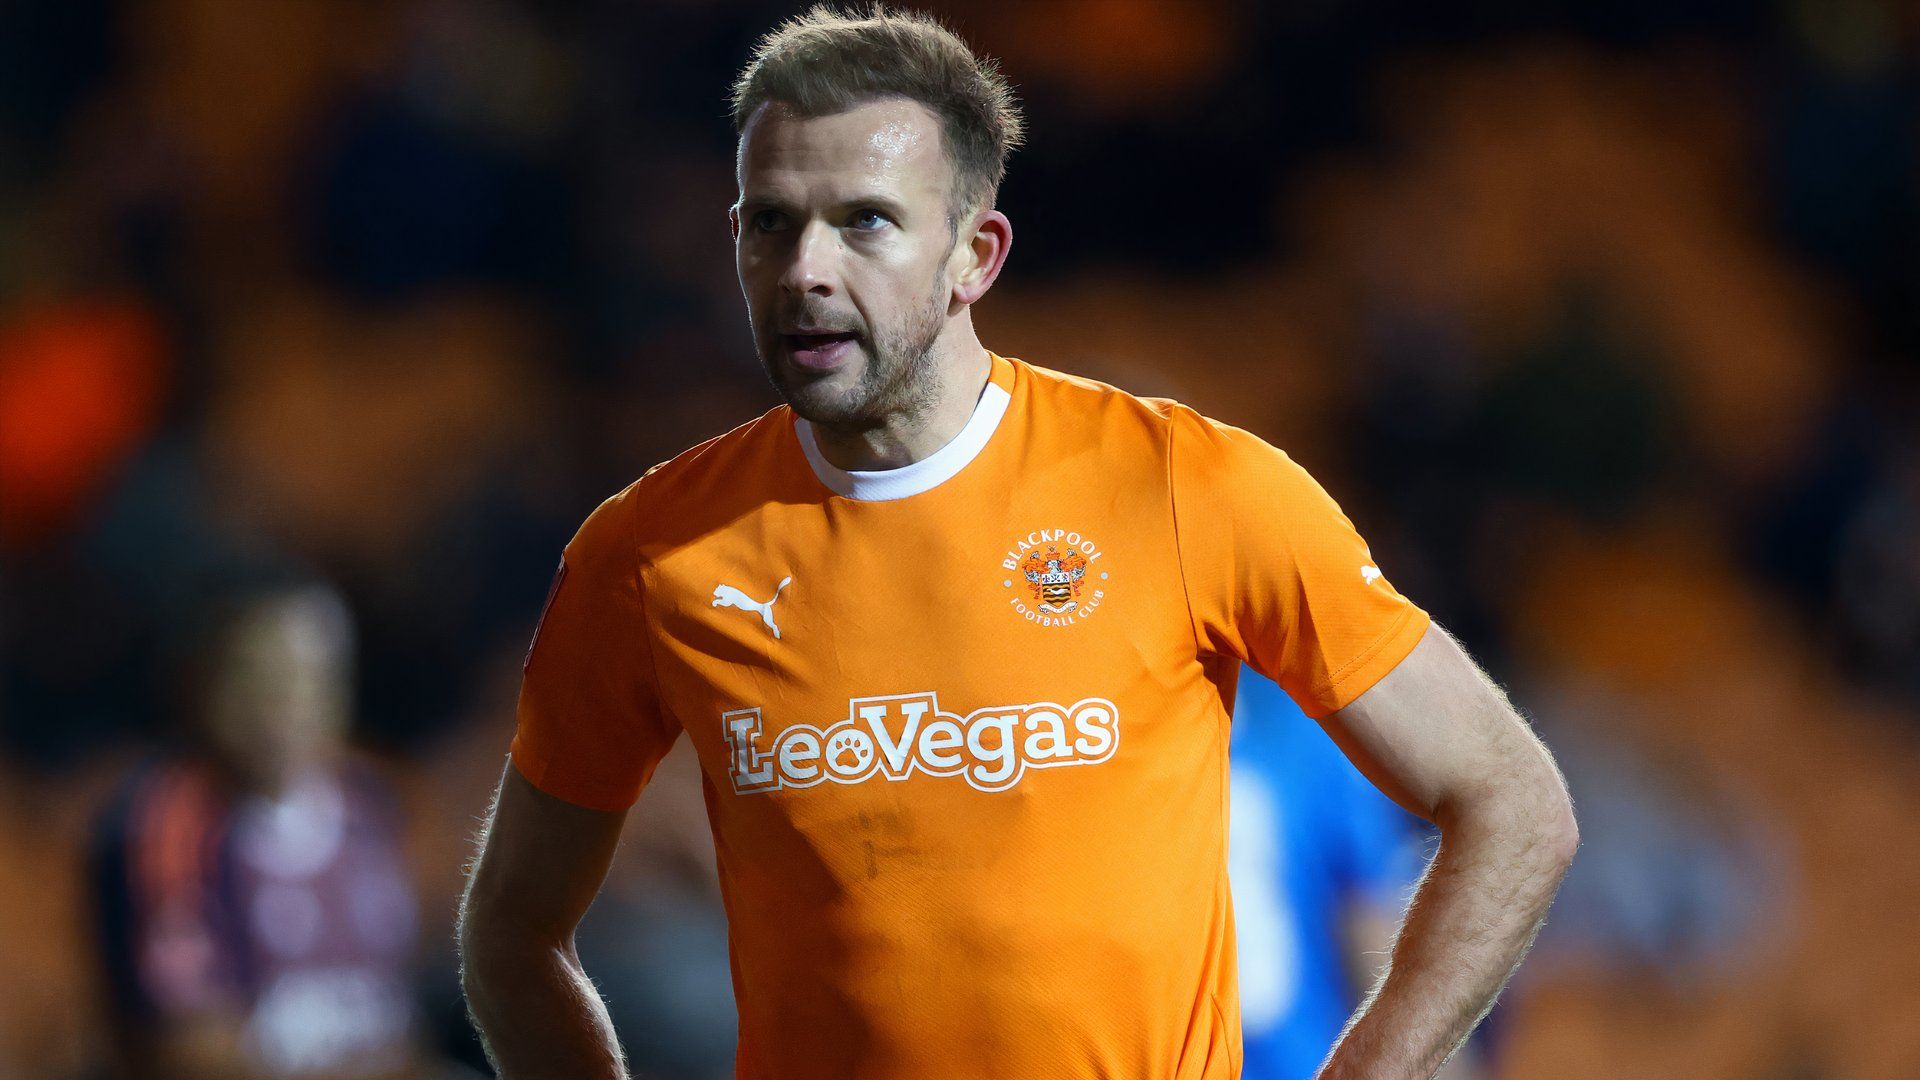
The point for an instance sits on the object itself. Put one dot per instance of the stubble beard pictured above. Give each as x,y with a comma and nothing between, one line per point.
899,383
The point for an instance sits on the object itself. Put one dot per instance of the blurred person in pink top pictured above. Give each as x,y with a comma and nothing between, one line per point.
255,916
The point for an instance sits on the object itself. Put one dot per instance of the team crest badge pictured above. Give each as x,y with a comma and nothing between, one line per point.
1055,577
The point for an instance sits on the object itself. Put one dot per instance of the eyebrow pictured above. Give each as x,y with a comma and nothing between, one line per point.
878,202
887,204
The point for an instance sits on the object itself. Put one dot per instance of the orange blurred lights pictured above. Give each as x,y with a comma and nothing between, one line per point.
80,385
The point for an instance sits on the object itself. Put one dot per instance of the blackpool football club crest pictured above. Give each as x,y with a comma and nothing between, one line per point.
1054,577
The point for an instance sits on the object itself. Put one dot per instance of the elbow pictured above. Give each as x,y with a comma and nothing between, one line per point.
1532,819
491,971
1545,810
470,938
1560,831
1553,829
500,951
485,958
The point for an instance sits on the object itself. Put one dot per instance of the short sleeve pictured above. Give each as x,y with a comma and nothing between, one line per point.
591,727
1276,575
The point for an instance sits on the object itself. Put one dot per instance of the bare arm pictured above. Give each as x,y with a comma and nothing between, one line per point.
1442,741
541,861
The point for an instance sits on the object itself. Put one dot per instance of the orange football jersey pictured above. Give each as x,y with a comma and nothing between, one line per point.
963,725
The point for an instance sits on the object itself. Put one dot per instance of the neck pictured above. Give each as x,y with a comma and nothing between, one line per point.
962,367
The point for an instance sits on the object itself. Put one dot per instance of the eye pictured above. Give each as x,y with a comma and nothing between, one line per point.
869,219
768,220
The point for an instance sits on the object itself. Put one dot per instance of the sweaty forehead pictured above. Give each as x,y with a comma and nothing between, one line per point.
890,145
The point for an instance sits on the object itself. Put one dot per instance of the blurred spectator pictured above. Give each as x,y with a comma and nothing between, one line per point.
1322,865
1878,587
254,914
1675,881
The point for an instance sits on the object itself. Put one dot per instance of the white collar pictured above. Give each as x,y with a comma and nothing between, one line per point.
880,485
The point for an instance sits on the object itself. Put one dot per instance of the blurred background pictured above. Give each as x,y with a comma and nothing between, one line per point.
324,322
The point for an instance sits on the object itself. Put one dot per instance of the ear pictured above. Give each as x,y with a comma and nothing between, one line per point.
733,222
981,253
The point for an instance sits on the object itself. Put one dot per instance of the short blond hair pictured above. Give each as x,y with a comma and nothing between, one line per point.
828,61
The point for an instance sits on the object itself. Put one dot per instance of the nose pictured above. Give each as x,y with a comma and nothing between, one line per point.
813,265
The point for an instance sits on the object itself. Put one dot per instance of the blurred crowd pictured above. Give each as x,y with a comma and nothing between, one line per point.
324,322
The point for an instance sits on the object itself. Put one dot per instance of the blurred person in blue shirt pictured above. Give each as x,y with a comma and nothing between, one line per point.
1321,864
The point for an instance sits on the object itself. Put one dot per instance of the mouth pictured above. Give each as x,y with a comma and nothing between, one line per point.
820,350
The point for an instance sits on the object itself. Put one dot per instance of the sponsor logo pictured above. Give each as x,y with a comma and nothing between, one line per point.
1055,577
892,738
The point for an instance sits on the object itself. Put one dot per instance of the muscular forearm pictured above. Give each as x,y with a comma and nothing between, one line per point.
1471,920
539,1015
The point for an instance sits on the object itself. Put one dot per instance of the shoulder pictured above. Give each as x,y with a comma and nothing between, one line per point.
1195,450
1201,447
694,473
1103,411
705,483
1166,417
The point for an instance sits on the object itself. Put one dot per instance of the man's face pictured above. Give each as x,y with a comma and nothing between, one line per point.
843,245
